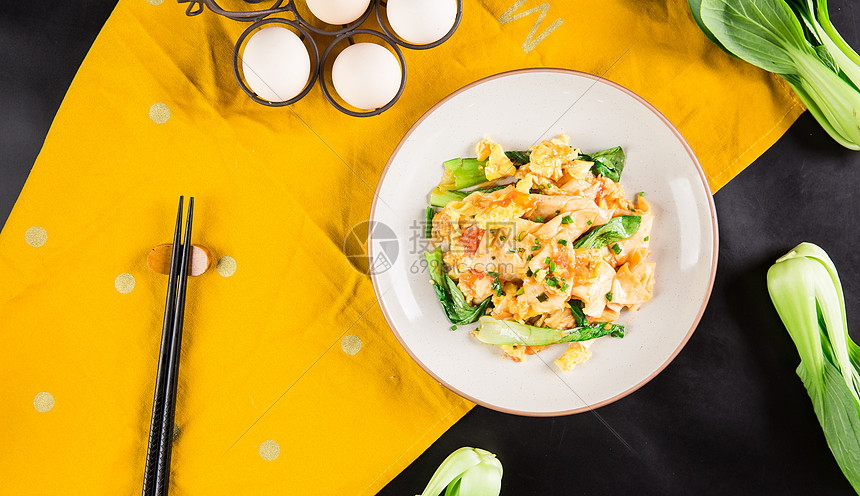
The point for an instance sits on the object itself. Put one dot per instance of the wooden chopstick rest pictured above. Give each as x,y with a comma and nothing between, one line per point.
159,259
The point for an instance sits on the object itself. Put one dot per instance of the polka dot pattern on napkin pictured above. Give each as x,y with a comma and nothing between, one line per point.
36,236
43,402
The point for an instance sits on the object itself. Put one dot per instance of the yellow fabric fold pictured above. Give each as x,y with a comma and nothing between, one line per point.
275,393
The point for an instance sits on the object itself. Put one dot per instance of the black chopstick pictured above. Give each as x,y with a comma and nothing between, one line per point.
162,477
163,356
157,470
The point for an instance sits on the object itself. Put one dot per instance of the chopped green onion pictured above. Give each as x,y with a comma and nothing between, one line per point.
578,315
542,297
562,242
453,327
645,238
497,287
616,248
609,296
493,274
551,266
566,219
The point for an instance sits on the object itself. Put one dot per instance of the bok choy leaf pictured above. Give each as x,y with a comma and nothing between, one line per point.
797,41
609,162
805,289
504,332
453,302
621,227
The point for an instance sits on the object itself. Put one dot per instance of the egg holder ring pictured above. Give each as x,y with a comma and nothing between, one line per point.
277,7
258,18
348,36
405,44
303,35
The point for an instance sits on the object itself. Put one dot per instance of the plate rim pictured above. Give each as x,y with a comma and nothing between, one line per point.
714,256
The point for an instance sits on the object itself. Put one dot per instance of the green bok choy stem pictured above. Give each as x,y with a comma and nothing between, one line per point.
505,332
467,472
797,41
805,289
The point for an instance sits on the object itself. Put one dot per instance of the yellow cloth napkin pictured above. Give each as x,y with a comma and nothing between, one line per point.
290,381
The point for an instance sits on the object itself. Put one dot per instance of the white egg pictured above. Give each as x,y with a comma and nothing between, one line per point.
276,64
421,21
366,75
338,11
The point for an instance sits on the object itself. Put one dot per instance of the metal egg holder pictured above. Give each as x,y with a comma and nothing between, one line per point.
304,29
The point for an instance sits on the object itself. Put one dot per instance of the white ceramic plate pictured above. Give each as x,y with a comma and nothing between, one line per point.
518,109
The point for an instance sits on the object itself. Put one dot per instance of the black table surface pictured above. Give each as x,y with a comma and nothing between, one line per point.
727,416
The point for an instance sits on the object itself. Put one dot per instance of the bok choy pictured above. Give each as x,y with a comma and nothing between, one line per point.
621,227
797,41
504,332
467,472
463,173
805,289
466,172
609,162
452,299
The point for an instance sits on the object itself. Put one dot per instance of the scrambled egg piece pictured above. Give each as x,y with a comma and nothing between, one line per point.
544,185
549,158
576,353
515,353
518,352
498,165
498,215
579,169
499,208
475,286
502,207
524,185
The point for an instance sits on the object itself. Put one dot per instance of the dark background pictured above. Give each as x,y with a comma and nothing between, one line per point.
727,416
